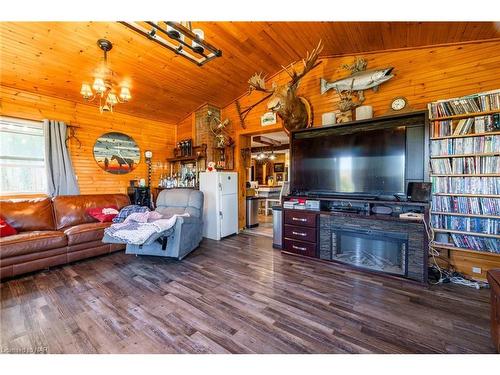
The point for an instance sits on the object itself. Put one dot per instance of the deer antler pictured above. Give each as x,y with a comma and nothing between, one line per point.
258,82
309,63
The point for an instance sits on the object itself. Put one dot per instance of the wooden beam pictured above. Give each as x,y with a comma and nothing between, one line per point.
269,148
266,140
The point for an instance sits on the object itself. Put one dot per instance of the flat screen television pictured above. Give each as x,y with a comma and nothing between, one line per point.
368,163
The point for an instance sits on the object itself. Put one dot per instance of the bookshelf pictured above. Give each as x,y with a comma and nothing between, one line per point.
465,173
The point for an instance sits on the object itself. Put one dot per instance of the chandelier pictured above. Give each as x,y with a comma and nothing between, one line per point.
263,156
178,37
104,84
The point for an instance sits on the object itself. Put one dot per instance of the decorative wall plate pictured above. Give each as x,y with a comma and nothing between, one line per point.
116,153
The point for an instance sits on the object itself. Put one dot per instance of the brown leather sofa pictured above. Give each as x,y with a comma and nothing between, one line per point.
53,231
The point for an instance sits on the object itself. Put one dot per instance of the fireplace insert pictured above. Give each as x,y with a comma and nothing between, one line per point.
371,249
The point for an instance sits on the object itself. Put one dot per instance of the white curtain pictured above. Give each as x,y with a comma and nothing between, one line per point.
61,179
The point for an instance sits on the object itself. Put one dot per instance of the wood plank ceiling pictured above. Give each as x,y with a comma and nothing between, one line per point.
53,58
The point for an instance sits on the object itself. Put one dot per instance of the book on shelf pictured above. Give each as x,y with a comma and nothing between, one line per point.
466,205
481,102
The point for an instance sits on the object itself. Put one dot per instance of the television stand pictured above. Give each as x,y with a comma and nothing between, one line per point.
354,232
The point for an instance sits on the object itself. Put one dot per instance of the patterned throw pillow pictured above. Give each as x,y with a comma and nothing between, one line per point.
103,214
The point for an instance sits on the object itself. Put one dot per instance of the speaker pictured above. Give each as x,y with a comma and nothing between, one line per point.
419,191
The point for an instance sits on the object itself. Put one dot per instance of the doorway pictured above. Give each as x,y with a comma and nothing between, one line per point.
266,180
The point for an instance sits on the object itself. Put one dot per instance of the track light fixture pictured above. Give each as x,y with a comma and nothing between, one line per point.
178,37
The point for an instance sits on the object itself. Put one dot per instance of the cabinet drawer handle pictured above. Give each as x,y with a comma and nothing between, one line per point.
298,219
299,234
299,248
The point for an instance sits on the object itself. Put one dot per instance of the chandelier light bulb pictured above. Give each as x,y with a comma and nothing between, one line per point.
99,85
111,99
125,94
86,91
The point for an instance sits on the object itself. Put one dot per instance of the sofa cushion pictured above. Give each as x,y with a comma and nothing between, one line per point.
6,229
29,215
189,200
85,232
71,210
30,242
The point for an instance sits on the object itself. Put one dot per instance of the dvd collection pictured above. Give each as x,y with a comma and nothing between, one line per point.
479,125
466,224
488,244
467,145
466,205
481,102
468,185
467,165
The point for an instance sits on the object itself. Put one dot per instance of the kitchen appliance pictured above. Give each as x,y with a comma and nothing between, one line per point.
220,208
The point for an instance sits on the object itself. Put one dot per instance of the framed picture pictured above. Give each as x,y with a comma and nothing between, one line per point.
116,153
279,167
268,118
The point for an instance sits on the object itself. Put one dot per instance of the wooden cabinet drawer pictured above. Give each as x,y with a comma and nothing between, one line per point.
299,247
296,217
300,233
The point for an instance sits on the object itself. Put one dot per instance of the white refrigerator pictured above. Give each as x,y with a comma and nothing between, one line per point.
220,207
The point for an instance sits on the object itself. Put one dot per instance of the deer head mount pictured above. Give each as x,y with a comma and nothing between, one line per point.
294,110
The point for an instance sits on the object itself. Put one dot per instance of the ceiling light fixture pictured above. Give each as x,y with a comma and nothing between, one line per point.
178,37
104,84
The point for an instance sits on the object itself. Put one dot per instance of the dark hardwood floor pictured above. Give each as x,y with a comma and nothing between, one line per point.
235,296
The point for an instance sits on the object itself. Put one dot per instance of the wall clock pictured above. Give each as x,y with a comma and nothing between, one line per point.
399,104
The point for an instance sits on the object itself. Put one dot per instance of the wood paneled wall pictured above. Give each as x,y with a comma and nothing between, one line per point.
149,135
421,75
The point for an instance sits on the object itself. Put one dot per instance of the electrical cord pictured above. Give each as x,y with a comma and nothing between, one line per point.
446,276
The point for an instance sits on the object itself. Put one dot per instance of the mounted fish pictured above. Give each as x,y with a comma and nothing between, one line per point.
293,109
359,80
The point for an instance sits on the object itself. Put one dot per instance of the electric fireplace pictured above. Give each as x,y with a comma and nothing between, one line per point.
371,249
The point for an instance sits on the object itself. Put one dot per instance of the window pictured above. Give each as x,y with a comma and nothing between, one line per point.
22,157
